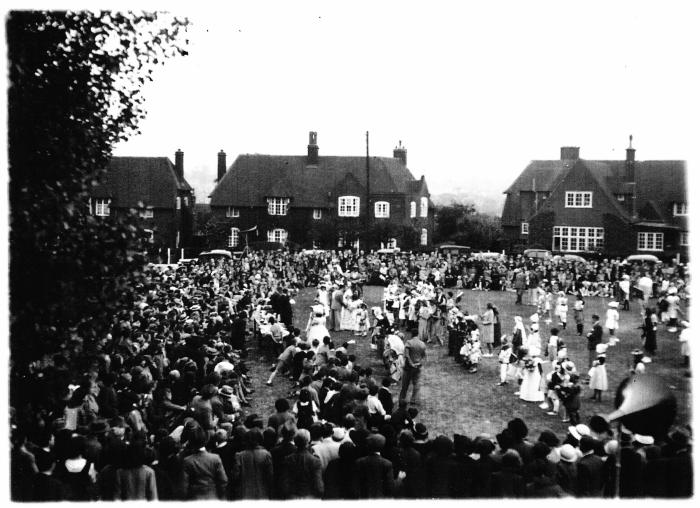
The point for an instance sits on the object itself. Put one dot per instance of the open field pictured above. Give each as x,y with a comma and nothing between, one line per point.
455,401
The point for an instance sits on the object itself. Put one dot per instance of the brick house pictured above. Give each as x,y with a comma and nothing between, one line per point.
154,187
322,201
610,206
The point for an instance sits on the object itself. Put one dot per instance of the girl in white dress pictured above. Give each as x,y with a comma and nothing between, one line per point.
532,379
599,378
612,318
562,309
347,317
316,326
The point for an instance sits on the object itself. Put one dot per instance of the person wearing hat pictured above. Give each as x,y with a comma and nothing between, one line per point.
624,286
673,301
562,308
649,332
590,475
336,308
374,475
683,338
598,376
567,469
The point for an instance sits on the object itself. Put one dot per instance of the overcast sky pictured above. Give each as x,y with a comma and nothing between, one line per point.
474,90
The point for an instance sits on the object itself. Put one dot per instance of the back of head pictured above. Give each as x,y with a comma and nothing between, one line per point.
511,459
281,405
253,438
301,439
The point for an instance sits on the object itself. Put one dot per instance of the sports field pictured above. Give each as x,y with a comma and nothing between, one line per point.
454,401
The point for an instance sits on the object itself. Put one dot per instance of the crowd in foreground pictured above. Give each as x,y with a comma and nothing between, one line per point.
150,403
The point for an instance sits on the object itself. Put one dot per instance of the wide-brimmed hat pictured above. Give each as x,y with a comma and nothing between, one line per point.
580,430
613,305
338,433
568,453
421,431
549,438
643,440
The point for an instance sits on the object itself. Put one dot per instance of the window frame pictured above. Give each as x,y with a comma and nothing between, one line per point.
146,212
684,236
317,214
234,240
649,241
382,209
284,235
577,238
277,206
424,236
348,206
524,228
683,207
232,212
412,209
424,206
151,235
103,204
178,203
571,198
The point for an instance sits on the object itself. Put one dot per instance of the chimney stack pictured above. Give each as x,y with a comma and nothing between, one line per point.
312,150
221,167
630,152
569,153
180,164
400,153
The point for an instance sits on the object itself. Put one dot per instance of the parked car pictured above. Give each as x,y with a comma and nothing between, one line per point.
642,258
571,258
454,250
215,254
538,253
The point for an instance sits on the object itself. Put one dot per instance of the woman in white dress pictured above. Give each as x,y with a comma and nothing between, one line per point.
612,318
532,379
347,313
316,327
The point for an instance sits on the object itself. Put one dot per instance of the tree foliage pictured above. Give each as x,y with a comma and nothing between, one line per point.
461,224
76,82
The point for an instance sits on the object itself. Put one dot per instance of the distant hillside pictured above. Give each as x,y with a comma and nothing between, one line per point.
486,204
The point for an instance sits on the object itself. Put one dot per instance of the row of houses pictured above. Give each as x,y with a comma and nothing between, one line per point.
570,205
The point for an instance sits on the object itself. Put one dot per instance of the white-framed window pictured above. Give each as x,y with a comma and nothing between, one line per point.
381,209
318,213
424,207
579,199
680,209
620,197
348,206
577,239
278,235
102,207
413,209
650,241
234,238
232,212
149,233
178,203
186,201
146,213
424,236
524,228
391,243
684,239
277,206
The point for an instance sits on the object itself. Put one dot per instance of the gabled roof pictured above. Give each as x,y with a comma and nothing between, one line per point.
253,177
661,181
148,180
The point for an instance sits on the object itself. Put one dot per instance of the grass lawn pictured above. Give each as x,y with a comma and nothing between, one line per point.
471,404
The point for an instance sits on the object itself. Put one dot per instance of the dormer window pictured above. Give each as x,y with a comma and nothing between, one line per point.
277,206
413,209
232,212
102,207
178,203
381,209
348,206
579,199
680,209
524,228
424,207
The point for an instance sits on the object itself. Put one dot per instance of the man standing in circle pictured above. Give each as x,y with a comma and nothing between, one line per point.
414,354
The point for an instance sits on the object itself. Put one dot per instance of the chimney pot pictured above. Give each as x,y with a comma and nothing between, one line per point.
221,166
400,153
569,153
180,164
312,150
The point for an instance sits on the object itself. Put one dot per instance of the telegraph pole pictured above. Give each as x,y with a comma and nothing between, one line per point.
367,207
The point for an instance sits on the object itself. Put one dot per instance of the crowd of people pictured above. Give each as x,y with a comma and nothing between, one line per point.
152,402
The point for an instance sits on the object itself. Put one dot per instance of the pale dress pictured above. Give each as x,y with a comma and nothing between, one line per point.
599,377
530,389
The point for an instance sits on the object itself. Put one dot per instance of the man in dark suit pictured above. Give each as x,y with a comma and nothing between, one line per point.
374,475
519,284
285,309
595,337
203,472
45,487
590,470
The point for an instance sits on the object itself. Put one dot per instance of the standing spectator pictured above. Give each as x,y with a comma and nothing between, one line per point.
252,470
649,332
487,329
599,378
519,285
303,475
45,486
590,469
624,286
136,481
374,476
203,472
578,313
282,414
414,355
23,467
595,337
338,479
612,321
508,482
279,454
77,473
567,469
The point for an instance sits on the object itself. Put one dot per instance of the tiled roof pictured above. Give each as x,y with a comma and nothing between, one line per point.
661,181
254,177
148,180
